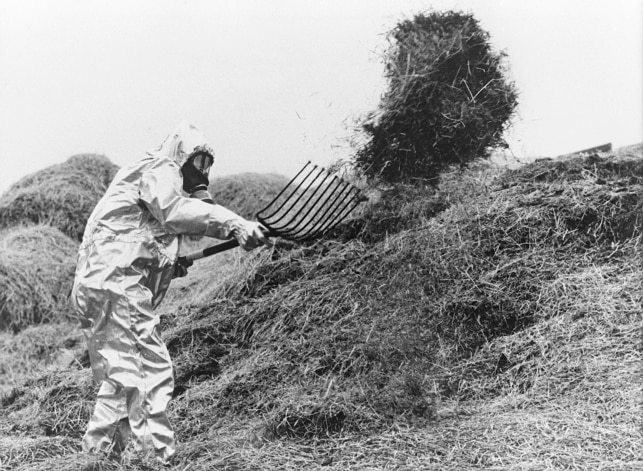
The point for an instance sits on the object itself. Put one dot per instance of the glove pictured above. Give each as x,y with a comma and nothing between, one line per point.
249,234
181,267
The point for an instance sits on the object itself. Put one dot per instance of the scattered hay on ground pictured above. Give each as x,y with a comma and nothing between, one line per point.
59,403
61,195
36,273
37,349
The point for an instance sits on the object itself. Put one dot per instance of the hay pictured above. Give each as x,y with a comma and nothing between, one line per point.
448,100
39,452
36,273
62,195
502,333
54,404
413,304
37,349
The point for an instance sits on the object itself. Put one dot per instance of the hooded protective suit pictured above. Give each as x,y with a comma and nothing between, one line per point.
125,265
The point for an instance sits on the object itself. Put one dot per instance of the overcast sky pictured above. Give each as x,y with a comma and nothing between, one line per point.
277,83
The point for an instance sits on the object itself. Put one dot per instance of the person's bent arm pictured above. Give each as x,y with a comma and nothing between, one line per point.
160,191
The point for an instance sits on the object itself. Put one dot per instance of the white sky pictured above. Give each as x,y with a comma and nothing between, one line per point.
277,83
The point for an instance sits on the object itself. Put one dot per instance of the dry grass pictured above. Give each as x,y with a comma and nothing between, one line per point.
447,103
37,349
502,331
62,195
36,272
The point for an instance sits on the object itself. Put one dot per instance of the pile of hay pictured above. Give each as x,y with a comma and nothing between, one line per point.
37,349
504,305
353,336
36,273
61,195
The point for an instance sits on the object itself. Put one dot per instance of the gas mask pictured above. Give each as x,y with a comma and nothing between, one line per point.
195,176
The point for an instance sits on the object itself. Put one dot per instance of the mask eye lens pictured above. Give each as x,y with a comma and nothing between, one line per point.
203,162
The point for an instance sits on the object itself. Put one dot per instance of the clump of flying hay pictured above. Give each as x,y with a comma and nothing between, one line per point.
61,195
246,193
448,100
36,273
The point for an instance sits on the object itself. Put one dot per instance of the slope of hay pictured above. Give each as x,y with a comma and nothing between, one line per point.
354,336
37,349
36,273
501,331
62,195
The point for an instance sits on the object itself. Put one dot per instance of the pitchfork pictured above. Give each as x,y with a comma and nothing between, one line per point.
310,205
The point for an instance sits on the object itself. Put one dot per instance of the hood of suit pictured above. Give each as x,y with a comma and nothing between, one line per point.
183,142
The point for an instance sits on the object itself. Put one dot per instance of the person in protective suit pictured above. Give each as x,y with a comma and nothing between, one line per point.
126,261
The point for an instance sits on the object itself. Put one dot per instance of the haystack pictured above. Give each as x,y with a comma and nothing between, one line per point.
36,273
61,195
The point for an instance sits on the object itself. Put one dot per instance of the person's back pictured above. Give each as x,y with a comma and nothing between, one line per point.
119,211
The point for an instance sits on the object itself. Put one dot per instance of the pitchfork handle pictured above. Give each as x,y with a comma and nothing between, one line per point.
215,249
212,250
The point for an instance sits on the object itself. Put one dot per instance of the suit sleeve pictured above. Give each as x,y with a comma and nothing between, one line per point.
160,191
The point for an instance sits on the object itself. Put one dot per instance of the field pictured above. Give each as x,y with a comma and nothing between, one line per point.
493,322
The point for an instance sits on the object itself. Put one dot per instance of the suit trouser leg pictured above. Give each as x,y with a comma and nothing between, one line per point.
151,429
108,429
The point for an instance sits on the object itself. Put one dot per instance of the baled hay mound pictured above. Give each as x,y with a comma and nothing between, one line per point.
36,273
61,195
246,193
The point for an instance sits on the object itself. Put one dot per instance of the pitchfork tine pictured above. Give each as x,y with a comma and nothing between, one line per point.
284,190
339,215
284,226
336,214
302,220
339,196
326,210
310,225
304,224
